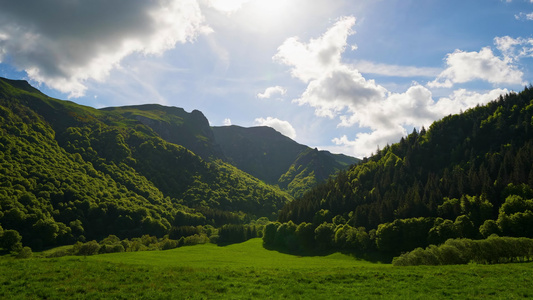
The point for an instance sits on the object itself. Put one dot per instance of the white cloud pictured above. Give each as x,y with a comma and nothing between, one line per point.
332,85
514,49
368,67
468,66
338,90
269,92
367,143
227,122
310,60
283,127
461,100
65,43
524,16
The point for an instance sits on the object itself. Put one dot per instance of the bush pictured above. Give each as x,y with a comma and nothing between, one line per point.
167,244
89,248
25,253
462,251
11,241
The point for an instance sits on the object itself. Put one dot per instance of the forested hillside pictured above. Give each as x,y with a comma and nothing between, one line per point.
69,172
467,176
276,159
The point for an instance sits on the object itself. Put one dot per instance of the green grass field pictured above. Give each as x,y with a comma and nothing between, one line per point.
248,271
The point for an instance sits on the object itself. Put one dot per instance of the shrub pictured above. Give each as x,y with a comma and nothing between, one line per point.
25,253
89,248
462,251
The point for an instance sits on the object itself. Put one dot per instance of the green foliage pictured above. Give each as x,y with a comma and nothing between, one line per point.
89,248
10,240
310,238
462,251
24,253
70,172
467,176
233,233
353,239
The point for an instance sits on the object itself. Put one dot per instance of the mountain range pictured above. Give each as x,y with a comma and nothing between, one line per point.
262,151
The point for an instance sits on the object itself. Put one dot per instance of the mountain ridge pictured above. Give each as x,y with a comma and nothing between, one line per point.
269,155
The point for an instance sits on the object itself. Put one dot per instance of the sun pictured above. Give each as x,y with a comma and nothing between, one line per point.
262,13
227,6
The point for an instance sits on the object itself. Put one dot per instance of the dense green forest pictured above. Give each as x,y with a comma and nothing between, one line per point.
467,176
72,173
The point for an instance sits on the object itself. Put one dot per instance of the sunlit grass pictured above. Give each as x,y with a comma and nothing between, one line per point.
247,271
247,254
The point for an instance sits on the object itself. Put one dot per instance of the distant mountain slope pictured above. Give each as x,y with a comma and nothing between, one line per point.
268,155
70,172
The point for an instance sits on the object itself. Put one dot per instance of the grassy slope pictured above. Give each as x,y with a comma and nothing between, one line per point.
246,271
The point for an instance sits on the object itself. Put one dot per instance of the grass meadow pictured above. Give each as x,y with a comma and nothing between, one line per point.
248,271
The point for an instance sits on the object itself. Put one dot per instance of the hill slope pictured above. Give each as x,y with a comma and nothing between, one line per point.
468,175
270,156
69,171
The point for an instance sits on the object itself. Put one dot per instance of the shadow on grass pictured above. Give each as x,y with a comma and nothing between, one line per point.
299,250
371,256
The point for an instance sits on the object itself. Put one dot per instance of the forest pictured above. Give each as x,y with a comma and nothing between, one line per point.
468,176
70,173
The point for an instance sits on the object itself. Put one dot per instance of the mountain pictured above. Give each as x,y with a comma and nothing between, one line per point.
467,176
70,172
276,159
175,125
260,151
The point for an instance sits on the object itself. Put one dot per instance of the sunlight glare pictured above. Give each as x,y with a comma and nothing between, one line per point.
267,14
227,6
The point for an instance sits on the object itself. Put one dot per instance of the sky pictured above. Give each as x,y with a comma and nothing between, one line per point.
340,75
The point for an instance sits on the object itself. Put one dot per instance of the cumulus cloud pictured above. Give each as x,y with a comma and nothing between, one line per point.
310,60
339,90
281,126
274,90
332,85
468,66
366,143
65,43
462,99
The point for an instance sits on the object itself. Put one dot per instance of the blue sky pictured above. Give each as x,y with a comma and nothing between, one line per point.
345,76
